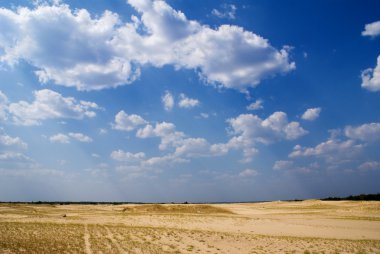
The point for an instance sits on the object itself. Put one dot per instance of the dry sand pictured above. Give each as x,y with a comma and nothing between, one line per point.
275,227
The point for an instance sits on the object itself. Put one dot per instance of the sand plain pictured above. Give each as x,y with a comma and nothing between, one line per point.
311,226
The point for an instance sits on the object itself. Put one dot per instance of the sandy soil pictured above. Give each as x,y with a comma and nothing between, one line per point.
275,227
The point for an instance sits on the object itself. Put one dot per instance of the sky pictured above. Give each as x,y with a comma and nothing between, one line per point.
173,101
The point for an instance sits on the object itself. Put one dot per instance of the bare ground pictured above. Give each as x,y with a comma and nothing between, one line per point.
274,227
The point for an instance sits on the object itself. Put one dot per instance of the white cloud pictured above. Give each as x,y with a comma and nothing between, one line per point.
126,122
258,104
370,166
227,11
65,138
166,131
282,165
167,160
121,155
74,49
311,114
80,137
60,138
249,129
185,102
331,150
48,104
68,47
372,29
248,173
193,147
10,141
275,127
371,78
3,106
367,132
168,101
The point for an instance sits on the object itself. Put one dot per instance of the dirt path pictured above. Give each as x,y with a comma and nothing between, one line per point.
87,240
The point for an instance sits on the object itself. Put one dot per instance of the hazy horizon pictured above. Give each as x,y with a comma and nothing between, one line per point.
173,101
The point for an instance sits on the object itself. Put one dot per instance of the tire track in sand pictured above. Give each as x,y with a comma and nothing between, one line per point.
87,244
113,240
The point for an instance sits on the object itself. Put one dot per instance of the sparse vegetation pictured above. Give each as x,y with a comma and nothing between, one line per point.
179,228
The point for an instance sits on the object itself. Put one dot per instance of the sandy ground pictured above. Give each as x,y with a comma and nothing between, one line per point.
274,227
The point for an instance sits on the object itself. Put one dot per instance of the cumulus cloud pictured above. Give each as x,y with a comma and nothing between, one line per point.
49,104
121,155
168,101
7,140
369,132
185,102
249,130
372,29
75,49
65,138
14,157
275,127
80,137
331,150
371,78
68,47
60,138
311,114
125,122
167,132
226,11
256,105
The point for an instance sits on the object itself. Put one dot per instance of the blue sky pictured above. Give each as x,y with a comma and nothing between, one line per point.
160,101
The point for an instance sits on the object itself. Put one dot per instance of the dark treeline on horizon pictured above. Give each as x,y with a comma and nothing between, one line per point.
361,197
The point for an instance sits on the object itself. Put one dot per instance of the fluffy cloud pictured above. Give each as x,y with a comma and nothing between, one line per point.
75,49
185,102
249,129
126,122
168,101
255,105
311,114
372,29
166,131
60,138
275,127
121,155
65,139
331,150
68,47
14,157
11,141
367,132
48,104
226,11
371,78
80,137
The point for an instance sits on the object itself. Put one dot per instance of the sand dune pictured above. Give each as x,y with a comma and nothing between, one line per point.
275,227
